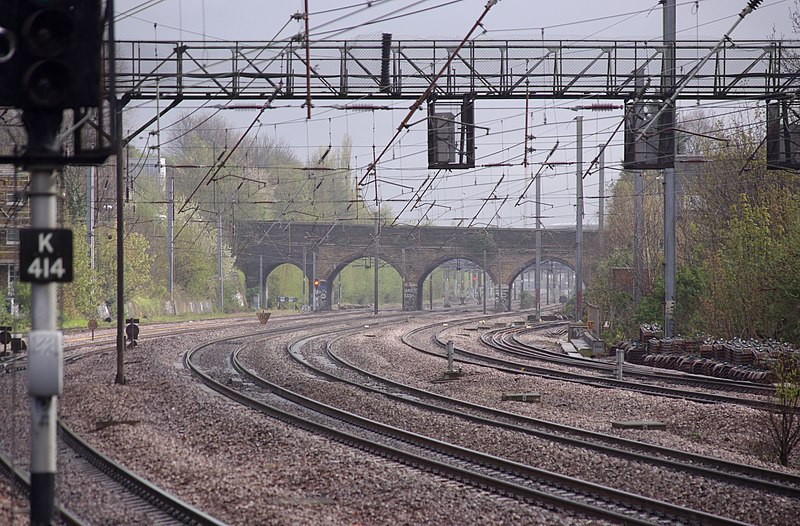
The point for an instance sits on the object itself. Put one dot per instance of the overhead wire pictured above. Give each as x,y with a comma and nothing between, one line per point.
406,156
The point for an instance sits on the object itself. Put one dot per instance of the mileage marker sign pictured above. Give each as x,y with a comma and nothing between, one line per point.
45,255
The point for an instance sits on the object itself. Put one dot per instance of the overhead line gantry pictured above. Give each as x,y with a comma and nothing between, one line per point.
485,69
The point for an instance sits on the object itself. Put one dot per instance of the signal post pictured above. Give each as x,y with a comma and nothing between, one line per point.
45,358
49,62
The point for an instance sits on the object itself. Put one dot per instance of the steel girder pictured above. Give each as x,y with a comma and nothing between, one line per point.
498,69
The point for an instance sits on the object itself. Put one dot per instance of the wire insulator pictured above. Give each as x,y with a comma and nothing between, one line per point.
603,107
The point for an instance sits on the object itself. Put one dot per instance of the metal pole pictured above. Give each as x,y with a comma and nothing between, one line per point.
461,285
120,377
669,179
219,251
308,64
449,346
90,211
537,277
638,229
446,286
170,234
484,282
579,222
116,107
305,276
601,197
430,290
547,290
262,294
45,341
377,252
314,290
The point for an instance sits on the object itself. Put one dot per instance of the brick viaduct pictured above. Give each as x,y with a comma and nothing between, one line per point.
413,251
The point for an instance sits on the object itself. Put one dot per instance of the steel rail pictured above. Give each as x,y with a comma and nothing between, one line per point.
20,481
159,499
598,381
521,476
733,472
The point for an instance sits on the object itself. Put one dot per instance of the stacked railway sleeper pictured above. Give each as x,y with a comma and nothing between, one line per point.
512,354
747,360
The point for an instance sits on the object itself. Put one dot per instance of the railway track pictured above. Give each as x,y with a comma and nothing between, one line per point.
507,340
80,345
485,471
119,487
705,466
21,483
142,501
585,378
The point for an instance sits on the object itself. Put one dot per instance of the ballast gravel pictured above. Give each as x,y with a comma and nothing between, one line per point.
234,463
245,468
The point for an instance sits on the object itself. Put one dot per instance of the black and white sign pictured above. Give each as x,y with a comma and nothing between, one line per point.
45,255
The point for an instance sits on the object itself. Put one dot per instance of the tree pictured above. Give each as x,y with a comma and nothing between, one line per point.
79,299
741,272
783,424
138,260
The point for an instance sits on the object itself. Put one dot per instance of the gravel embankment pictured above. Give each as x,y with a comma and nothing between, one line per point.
232,462
722,431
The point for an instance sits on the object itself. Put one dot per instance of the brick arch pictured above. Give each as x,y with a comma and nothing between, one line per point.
268,269
412,251
526,265
532,263
330,271
418,296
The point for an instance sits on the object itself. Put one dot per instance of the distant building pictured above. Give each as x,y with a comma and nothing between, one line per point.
15,215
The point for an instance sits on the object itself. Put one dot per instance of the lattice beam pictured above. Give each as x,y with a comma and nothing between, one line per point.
489,68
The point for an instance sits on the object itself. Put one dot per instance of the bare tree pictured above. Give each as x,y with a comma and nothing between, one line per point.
783,423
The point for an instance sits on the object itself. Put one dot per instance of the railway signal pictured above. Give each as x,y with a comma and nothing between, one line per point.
5,337
50,53
132,331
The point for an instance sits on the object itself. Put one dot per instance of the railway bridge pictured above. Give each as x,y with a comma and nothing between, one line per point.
322,250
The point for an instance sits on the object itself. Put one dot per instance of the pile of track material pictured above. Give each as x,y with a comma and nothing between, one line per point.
749,360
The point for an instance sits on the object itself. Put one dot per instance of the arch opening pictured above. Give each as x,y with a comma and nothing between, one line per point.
556,285
455,282
286,287
352,285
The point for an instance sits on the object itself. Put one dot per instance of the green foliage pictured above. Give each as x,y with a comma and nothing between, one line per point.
690,291
358,280
484,240
754,291
783,425
78,299
527,300
74,193
614,303
286,280
738,240
138,260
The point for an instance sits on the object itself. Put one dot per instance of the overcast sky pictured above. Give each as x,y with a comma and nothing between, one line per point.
623,19
252,20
